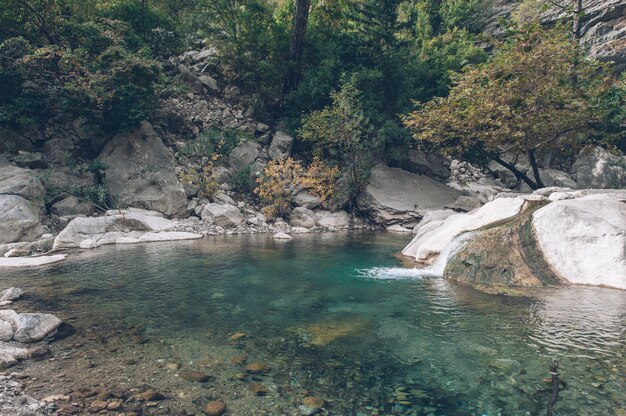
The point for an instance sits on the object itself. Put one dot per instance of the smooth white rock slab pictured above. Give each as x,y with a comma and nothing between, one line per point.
439,233
584,239
30,261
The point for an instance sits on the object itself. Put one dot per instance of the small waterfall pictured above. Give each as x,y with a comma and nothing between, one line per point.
434,270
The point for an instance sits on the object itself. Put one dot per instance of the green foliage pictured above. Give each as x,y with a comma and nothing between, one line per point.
537,94
96,193
214,143
340,129
241,180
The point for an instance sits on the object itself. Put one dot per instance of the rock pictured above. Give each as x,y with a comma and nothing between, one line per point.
118,227
11,355
210,83
20,182
72,206
396,196
150,396
397,228
141,172
242,156
33,327
466,203
221,174
306,199
12,294
190,79
6,331
558,178
196,376
280,149
282,236
311,405
584,239
221,198
215,408
302,217
337,220
422,163
258,389
21,220
30,261
222,214
257,368
598,168
33,160
11,141
428,243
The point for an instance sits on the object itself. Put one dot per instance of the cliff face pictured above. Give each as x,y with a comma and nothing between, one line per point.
603,25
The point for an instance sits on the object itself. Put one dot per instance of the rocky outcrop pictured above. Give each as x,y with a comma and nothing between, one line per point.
603,25
553,236
141,172
421,163
306,199
118,227
395,196
598,168
72,206
332,220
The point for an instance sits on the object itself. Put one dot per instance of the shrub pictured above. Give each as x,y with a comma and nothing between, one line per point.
214,143
204,180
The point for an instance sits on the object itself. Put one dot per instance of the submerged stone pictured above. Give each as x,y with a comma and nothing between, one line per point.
215,408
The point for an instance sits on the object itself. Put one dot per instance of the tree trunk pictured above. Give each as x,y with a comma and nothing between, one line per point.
518,173
533,165
300,21
578,10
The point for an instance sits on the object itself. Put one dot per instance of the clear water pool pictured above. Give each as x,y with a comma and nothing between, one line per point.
332,316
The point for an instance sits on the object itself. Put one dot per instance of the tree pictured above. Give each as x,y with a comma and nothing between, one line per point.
536,95
298,32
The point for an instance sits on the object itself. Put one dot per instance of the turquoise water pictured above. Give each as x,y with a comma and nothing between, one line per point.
333,316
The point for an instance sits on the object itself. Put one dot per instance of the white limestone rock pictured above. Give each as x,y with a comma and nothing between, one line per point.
224,215
584,239
432,240
6,331
282,236
338,220
11,355
31,261
302,217
33,327
118,225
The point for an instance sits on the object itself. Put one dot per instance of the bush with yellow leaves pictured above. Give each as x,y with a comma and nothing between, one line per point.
282,179
204,180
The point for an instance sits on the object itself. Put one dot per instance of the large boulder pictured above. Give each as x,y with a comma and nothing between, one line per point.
419,162
395,196
435,235
20,219
118,227
141,172
553,177
333,220
584,239
33,327
302,217
29,327
280,149
12,142
20,182
72,206
244,155
224,215
306,199
596,167
554,236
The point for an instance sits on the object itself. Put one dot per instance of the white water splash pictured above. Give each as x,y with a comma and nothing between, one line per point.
434,270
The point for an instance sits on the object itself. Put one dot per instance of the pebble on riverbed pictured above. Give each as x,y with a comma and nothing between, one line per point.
215,408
